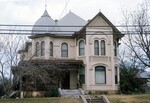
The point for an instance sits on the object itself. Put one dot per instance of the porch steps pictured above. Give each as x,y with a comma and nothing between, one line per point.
75,93
93,99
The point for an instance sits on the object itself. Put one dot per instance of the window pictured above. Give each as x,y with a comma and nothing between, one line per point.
116,75
42,48
115,49
96,47
51,48
82,75
64,50
81,48
37,49
100,75
102,47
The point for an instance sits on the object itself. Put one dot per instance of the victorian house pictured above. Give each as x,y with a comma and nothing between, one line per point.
89,47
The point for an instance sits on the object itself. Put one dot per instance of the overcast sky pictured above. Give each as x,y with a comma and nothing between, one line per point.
28,11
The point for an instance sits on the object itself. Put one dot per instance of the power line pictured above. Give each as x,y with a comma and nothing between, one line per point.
39,29
64,9
4,25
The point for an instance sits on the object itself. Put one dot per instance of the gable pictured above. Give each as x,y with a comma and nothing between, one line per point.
98,21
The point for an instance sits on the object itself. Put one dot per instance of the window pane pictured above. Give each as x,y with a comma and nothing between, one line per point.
115,49
37,49
116,75
102,47
96,47
64,50
42,48
81,47
51,49
100,75
82,75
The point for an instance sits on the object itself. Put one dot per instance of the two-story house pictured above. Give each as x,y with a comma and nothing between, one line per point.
90,47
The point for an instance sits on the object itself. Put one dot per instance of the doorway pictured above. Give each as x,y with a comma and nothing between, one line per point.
65,84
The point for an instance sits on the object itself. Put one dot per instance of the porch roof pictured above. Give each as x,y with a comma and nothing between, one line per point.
63,64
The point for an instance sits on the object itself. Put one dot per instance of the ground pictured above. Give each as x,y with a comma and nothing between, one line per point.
42,100
144,98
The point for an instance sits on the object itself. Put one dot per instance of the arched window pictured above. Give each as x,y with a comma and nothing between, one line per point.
100,75
81,48
64,50
116,75
42,48
51,48
96,47
37,49
103,47
115,49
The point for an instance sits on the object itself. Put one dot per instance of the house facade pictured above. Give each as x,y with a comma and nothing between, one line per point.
90,47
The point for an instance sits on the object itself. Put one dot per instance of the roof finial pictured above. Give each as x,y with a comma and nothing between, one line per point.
45,4
99,10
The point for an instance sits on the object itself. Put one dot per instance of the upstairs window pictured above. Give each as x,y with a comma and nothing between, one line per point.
37,49
81,47
64,50
42,48
115,49
51,48
103,47
96,47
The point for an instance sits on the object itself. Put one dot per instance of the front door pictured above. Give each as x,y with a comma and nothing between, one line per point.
65,84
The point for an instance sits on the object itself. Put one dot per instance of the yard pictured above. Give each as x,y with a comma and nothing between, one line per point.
42,100
144,98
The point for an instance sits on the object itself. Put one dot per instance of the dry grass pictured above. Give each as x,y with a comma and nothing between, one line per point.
144,98
42,100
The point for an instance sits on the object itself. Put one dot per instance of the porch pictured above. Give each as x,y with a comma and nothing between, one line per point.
65,74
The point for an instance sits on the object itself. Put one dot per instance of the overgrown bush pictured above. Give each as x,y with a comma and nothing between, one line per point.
130,83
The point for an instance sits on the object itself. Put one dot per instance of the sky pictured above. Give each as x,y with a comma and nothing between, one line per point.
28,11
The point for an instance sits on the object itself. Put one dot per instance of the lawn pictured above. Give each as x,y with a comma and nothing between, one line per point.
42,100
144,98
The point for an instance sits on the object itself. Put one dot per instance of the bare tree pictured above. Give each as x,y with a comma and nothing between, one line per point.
10,45
137,37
